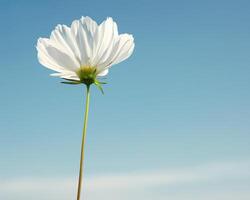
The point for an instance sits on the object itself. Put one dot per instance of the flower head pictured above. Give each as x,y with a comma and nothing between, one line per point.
84,51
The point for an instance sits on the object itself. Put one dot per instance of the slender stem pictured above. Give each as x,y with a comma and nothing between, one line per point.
83,141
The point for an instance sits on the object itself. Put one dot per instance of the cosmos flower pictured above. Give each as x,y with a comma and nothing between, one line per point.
84,51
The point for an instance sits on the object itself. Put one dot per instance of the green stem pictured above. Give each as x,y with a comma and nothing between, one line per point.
83,141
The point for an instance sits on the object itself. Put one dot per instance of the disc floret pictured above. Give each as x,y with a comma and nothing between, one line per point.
87,75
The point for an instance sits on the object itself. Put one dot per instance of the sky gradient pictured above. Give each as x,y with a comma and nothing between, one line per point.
179,103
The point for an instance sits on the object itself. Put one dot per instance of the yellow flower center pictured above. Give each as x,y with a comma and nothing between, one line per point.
87,74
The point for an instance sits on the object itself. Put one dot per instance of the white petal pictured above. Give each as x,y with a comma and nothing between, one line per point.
104,41
66,75
49,63
103,73
126,48
62,35
74,27
83,30
122,49
84,41
89,25
53,56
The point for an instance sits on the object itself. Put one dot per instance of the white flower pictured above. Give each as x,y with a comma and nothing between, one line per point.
85,50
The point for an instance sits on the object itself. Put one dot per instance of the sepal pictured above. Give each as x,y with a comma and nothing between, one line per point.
71,82
99,85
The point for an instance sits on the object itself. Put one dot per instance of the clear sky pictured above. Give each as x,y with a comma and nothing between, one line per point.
174,122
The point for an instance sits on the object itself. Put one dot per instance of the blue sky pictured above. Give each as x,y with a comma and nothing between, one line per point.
181,101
